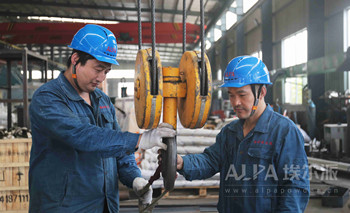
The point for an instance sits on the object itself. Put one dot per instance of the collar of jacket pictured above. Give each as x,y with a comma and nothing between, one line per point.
262,125
69,90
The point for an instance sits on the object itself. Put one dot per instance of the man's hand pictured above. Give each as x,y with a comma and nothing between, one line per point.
179,160
153,137
138,184
179,163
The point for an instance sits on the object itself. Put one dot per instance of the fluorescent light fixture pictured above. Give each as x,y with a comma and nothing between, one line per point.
74,20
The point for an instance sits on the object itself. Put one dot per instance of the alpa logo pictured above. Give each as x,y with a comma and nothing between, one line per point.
112,49
229,74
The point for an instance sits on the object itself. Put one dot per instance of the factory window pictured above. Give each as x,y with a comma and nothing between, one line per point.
231,19
293,88
207,44
121,73
294,49
219,79
248,4
257,54
217,31
346,29
37,74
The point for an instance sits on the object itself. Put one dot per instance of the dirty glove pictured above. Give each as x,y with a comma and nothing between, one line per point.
138,185
154,137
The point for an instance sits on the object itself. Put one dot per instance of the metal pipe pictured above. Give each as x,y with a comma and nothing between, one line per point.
52,58
25,88
327,163
46,69
9,96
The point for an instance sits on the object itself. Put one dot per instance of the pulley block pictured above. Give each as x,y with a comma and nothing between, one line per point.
194,108
148,106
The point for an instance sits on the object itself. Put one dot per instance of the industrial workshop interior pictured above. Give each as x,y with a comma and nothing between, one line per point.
174,106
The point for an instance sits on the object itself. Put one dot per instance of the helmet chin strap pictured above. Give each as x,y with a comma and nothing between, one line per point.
256,97
74,76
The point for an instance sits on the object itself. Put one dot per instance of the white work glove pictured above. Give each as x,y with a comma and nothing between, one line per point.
138,184
153,137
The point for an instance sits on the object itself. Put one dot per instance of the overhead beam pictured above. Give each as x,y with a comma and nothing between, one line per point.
61,33
94,7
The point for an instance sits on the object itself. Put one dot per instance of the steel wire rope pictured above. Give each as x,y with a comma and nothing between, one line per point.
139,22
203,76
154,75
184,27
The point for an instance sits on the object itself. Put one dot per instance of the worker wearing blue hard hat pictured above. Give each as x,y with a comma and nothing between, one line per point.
97,41
93,42
79,152
260,156
243,71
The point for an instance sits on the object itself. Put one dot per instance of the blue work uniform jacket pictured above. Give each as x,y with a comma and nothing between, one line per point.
265,171
79,152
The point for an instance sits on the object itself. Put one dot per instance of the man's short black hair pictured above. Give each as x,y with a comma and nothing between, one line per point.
83,57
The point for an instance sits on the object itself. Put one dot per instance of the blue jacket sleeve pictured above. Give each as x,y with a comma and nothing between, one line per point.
293,173
52,115
128,170
127,166
204,165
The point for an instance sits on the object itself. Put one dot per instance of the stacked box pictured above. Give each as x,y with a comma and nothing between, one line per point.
14,168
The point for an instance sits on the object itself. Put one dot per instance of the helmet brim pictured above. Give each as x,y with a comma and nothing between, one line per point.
99,58
237,85
107,60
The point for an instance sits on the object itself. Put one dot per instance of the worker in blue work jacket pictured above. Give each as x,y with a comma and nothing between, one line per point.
79,151
261,159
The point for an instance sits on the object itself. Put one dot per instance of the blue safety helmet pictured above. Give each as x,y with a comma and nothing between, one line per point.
97,41
245,70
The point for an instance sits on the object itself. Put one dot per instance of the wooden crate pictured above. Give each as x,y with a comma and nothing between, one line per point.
14,168
14,199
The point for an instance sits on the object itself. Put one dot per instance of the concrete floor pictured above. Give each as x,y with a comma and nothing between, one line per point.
189,204
315,206
208,206
175,205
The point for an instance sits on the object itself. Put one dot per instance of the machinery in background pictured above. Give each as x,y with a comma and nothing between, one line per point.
335,141
335,136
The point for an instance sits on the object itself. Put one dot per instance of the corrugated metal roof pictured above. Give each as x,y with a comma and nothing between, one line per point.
168,17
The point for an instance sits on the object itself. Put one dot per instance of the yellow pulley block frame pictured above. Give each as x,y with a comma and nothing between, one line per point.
148,107
194,109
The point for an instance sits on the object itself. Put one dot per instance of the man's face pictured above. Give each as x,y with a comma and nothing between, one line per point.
242,100
92,74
